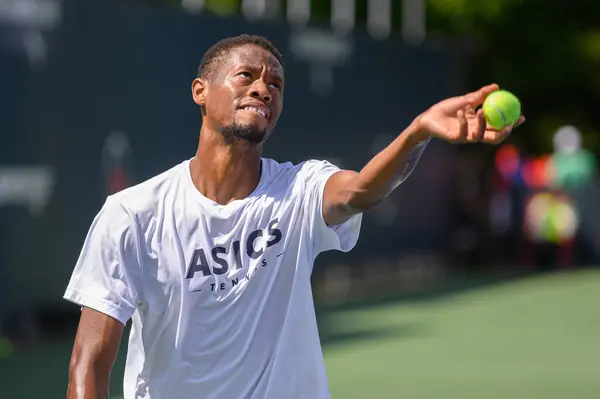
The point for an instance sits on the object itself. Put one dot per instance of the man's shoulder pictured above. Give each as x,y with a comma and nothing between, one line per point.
297,176
306,167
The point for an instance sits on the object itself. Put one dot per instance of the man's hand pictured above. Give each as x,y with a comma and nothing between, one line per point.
456,121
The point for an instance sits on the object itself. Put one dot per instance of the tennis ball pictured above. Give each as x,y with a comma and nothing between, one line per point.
501,109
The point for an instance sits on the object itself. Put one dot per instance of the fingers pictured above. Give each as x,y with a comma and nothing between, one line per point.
492,136
520,121
463,126
480,126
470,112
472,125
477,98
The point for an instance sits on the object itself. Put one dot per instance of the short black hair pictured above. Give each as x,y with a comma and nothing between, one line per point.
215,54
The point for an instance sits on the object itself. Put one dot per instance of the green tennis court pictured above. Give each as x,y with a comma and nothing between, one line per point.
534,338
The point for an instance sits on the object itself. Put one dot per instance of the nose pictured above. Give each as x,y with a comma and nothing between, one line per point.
260,90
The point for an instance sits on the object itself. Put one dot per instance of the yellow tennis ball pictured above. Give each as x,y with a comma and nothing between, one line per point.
501,109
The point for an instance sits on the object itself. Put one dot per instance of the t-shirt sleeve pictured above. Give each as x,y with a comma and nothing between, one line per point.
107,276
341,237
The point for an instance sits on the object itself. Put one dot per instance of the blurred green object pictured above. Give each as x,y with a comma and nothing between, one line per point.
223,7
6,348
533,338
574,170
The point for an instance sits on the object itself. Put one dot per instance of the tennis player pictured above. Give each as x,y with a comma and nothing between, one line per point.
211,260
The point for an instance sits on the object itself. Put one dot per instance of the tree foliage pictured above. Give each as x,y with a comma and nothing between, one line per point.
546,51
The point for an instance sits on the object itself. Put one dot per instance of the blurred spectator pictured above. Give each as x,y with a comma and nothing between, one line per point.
558,185
573,171
506,202
117,162
572,168
550,226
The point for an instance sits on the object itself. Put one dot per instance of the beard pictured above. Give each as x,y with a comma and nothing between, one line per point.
237,132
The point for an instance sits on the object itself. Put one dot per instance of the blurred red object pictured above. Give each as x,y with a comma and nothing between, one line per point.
537,172
508,161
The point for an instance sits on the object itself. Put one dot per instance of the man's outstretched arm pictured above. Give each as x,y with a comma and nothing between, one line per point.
94,352
454,120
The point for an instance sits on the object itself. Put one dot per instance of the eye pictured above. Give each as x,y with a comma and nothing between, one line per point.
245,74
276,85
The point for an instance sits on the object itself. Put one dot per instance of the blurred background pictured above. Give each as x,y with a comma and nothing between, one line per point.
477,278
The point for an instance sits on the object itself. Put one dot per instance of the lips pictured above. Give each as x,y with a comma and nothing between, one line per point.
260,109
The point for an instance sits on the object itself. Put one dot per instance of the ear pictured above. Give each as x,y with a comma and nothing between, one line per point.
199,87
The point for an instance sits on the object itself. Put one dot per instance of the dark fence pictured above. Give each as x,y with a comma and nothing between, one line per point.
114,94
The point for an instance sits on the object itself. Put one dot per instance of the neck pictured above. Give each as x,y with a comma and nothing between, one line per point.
224,172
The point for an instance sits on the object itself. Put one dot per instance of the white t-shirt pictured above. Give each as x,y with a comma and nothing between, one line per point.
219,295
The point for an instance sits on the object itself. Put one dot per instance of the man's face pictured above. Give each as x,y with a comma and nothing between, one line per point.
244,99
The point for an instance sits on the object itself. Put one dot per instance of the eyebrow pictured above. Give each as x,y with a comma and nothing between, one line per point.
278,76
275,71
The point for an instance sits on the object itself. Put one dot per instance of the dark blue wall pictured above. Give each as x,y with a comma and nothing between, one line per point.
112,67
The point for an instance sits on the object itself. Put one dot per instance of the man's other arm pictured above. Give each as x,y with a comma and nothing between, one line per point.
94,352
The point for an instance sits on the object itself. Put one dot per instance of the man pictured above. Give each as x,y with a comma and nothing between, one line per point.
212,259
